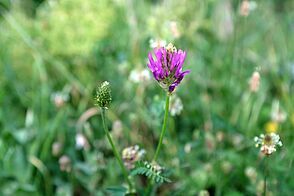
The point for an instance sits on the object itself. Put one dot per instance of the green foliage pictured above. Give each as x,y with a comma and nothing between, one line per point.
54,52
117,191
147,169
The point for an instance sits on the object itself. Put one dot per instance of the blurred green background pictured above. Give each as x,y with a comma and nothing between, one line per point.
55,52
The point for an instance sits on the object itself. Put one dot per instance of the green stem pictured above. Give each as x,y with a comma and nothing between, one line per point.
149,186
116,154
265,176
163,127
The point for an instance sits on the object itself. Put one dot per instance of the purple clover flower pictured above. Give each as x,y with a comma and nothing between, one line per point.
167,69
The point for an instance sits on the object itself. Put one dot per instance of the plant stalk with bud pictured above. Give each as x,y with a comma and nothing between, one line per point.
103,100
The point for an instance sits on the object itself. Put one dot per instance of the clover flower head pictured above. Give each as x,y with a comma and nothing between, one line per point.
59,99
176,105
65,163
103,95
132,154
268,143
167,67
82,142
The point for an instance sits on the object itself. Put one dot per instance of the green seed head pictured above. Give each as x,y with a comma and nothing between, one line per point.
103,95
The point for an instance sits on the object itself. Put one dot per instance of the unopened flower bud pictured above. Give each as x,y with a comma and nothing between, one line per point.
254,82
103,95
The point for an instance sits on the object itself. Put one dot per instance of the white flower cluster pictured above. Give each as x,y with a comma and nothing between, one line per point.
132,154
268,143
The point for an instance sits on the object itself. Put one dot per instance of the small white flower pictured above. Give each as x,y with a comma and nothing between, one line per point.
59,98
176,105
65,163
132,154
104,84
140,76
82,142
157,43
268,143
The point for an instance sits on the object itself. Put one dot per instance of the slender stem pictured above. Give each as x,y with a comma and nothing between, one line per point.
265,176
116,154
163,127
149,185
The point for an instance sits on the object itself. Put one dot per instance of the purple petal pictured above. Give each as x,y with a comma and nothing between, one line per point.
172,87
174,61
180,63
151,63
156,76
158,54
178,81
182,75
165,62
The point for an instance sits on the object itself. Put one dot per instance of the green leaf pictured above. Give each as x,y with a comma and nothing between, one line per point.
117,191
147,169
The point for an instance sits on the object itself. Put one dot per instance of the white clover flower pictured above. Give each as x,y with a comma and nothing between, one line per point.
82,142
268,143
59,98
176,105
132,154
65,163
157,43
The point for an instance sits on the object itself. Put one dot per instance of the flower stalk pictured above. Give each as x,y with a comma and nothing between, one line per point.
163,128
103,100
265,178
116,154
167,100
